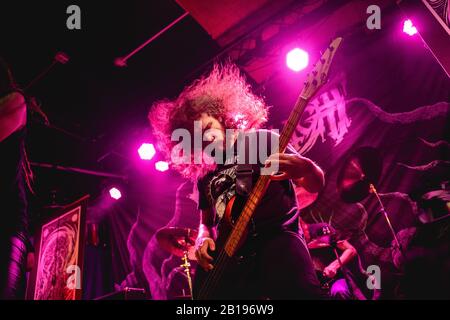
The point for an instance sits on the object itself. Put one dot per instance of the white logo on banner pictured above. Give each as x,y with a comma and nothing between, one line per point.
324,117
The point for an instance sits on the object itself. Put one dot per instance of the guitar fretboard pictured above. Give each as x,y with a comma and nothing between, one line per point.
263,181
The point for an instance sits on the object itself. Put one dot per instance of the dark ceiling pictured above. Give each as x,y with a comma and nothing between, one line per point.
101,106
98,111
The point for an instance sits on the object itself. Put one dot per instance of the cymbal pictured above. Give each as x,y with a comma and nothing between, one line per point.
177,241
324,242
361,169
318,244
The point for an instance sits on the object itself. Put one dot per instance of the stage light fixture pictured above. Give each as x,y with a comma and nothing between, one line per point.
162,166
115,193
409,28
297,59
147,151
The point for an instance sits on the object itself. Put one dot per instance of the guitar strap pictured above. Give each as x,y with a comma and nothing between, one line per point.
244,171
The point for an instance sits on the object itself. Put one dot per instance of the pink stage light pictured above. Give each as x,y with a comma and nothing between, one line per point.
297,59
409,28
147,151
162,166
115,193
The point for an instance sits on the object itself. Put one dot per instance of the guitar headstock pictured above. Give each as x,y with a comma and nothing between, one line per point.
317,77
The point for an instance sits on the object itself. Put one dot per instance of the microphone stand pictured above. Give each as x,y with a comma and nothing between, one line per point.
386,216
60,57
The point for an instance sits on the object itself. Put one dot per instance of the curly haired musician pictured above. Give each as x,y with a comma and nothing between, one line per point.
273,261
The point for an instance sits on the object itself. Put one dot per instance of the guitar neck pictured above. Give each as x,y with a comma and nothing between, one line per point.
263,181
291,124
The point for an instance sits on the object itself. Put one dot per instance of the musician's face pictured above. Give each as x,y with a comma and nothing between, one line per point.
213,130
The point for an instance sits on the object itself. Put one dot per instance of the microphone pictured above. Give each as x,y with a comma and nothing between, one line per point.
60,57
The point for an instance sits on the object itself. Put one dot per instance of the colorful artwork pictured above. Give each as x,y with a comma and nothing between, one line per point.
59,263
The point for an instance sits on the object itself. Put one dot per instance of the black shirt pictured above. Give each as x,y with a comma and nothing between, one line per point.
278,208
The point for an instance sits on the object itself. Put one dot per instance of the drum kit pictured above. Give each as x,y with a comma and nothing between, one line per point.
180,242
357,179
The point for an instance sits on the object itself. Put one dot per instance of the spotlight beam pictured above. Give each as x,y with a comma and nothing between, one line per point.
162,166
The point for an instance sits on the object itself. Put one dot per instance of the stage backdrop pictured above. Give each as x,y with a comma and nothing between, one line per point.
386,92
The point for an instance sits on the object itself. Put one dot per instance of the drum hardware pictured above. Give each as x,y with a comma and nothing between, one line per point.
187,269
373,190
181,243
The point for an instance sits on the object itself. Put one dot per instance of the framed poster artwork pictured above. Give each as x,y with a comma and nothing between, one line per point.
57,274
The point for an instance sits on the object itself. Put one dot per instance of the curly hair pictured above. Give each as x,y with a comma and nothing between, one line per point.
223,94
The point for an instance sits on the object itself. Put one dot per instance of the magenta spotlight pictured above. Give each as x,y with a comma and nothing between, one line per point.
297,59
115,193
409,28
162,166
147,151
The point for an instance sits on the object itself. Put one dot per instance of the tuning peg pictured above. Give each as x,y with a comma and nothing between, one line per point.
331,48
314,73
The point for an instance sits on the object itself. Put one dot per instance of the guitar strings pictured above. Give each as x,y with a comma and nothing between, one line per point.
263,182
253,200
218,271
292,122
215,274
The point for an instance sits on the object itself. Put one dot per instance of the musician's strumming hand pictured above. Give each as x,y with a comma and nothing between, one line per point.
331,271
348,253
303,171
202,245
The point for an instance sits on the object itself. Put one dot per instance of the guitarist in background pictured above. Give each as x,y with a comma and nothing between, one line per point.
274,262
